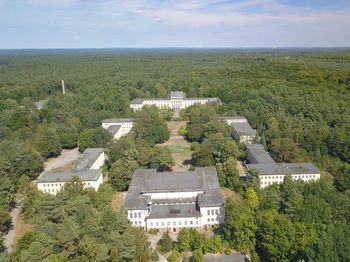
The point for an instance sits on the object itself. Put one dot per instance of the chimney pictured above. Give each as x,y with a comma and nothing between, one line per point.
63,87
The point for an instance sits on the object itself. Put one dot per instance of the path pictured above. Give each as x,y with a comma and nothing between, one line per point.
10,236
240,167
180,149
64,160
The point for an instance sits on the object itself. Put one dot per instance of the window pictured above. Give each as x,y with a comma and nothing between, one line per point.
180,223
130,215
208,212
196,222
208,219
139,214
191,222
44,185
157,224
151,224
217,211
212,212
163,224
185,223
168,224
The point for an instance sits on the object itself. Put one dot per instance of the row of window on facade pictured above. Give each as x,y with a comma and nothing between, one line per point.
212,212
61,184
281,177
135,215
168,224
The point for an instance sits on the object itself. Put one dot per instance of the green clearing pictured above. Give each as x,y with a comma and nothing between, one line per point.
178,148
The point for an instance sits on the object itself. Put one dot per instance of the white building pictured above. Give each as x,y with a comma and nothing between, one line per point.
87,169
174,200
241,129
175,100
271,172
118,127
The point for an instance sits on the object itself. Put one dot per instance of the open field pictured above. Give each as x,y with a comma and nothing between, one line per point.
180,149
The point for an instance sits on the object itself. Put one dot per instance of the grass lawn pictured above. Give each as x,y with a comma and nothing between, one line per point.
178,148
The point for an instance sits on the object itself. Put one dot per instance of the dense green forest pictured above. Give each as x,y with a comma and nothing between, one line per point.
298,102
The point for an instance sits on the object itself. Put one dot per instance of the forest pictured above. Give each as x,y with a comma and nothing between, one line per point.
298,102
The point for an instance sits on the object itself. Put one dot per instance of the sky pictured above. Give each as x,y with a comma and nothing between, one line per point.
170,23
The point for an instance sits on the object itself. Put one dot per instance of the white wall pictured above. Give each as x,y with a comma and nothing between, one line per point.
212,215
138,217
99,161
268,180
173,195
54,187
169,223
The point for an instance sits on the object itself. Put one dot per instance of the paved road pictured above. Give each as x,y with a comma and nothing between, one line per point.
10,236
64,159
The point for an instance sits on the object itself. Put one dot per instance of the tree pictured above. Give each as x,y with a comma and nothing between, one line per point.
251,198
123,149
184,240
291,198
240,227
47,142
150,126
165,243
174,256
197,256
93,137
161,159
121,173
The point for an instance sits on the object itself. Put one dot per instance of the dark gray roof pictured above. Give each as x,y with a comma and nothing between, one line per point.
172,181
137,101
113,129
259,154
150,181
64,176
242,129
285,168
88,158
118,120
174,211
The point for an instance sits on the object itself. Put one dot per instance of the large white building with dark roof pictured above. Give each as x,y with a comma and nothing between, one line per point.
174,200
118,127
87,169
271,172
242,132
175,100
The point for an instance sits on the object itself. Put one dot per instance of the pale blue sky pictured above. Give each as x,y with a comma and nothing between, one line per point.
182,23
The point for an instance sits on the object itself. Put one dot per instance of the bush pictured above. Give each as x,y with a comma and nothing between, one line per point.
174,257
153,231
182,131
154,256
197,256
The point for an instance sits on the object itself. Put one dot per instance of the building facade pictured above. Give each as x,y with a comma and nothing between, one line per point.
176,100
174,200
87,169
118,127
242,132
271,172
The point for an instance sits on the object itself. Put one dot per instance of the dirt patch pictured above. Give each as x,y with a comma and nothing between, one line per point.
64,161
241,169
228,193
21,228
118,200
